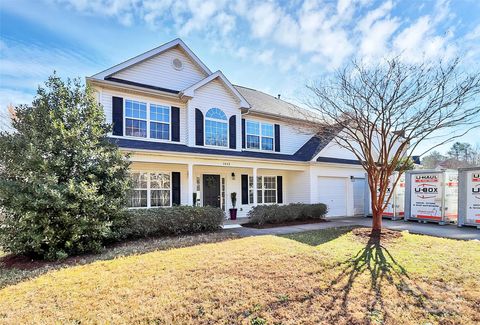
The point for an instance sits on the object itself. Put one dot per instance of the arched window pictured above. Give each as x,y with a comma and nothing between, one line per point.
216,128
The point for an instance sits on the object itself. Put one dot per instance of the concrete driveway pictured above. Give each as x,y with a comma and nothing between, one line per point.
431,229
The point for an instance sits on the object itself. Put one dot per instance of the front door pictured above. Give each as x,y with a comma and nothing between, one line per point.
211,190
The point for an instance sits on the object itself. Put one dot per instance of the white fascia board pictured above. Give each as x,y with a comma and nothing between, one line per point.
149,54
113,85
190,91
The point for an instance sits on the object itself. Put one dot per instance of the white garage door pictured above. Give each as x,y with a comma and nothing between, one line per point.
333,192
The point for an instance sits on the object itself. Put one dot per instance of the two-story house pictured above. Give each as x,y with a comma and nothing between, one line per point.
192,135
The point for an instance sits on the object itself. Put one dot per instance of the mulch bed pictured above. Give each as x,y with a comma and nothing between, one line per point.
283,224
366,234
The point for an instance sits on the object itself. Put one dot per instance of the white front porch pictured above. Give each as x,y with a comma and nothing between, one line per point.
212,181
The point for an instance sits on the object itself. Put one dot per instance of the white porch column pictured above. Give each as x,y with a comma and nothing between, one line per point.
255,186
190,184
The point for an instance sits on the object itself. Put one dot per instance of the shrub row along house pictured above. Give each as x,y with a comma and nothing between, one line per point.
193,136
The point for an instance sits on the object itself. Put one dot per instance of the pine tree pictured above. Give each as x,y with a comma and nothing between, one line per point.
62,183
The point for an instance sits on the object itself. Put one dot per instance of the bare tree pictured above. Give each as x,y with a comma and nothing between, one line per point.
384,112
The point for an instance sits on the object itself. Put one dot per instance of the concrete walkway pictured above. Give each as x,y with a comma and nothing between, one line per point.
431,229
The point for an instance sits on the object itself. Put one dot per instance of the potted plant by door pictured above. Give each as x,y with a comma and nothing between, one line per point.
233,210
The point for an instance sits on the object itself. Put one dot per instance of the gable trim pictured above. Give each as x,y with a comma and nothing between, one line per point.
190,91
149,54
137,84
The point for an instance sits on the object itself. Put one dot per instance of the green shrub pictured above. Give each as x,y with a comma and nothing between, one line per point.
169,221
262,214
62,183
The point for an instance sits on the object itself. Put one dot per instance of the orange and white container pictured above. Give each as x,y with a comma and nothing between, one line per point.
431,196
469,197
396,205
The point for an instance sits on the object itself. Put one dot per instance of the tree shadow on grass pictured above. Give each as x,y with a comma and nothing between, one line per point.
389,284
318,237
372,284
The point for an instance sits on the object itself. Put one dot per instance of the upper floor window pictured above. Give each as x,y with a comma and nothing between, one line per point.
159,122
216,128
135,118
147,121
259,135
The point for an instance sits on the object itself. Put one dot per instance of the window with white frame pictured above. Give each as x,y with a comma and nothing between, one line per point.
139,191
259,135
159,122
216,128
160,189
135,118
269,189
150,190
147,120
266,189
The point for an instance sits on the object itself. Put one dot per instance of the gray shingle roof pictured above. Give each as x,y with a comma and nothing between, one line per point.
267,104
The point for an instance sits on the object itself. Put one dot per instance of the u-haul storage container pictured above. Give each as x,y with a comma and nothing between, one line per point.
396,206
431,195
469,197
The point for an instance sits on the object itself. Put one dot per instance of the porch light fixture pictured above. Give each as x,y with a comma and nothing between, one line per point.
233,176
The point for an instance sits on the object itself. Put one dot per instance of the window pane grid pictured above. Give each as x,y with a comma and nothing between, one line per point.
216,133
259,135
159,198
155,126
135,109
253,141
136,128
150,190
216,113
267,143
159,113
159,131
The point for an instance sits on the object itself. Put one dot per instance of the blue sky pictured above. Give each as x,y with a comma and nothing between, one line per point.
274,46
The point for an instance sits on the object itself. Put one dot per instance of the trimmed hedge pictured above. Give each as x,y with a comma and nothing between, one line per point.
262,214
169,221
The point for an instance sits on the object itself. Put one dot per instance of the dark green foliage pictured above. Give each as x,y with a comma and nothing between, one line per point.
262,214
169,221
62,184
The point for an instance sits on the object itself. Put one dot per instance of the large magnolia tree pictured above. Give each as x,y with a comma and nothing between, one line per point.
384,112
62,183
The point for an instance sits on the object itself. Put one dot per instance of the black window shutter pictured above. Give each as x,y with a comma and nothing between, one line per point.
198,127
277,138
279,189
175,127
243,133
175,188
244,189
232,128
117,115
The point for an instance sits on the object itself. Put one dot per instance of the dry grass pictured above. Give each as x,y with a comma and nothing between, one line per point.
343,280
16,269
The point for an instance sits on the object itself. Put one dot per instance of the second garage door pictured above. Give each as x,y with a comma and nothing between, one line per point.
333,192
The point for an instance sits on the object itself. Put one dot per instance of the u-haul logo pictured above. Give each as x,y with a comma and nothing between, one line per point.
475,177
426,178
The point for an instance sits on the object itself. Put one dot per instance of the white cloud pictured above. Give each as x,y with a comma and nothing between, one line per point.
201,14
264,18
325,32
265,57
376,29
474,34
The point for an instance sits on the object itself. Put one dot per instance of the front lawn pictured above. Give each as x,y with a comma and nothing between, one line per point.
328,276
